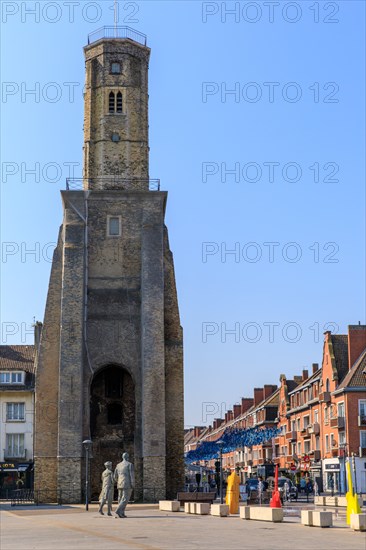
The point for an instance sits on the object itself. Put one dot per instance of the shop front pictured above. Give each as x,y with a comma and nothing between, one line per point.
332,475
15,475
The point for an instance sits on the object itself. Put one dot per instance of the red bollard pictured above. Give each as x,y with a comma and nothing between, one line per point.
276,500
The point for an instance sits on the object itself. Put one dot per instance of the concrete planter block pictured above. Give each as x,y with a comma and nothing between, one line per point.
169,505
342,501
221,510
331,501
260,513
202,508
322,519
307,517
358,522
244,512
319,501
190,507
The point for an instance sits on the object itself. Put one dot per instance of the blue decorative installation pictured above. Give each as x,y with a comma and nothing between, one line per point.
231,441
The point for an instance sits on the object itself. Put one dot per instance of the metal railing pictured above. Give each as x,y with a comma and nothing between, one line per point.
44,496
15,455
117,32
110,183
61,497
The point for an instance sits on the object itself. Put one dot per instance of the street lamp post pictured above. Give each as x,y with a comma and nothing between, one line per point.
354,471
87,446
221,444
343,447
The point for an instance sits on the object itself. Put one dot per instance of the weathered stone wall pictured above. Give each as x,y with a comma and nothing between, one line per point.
174,382
112,302
47,383
128,157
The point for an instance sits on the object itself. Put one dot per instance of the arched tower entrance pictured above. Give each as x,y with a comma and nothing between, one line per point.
112,419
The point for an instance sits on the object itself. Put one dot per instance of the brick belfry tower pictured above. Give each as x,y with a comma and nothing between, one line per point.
110,363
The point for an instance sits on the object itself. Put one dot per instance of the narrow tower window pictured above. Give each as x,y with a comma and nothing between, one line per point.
112,101
114,226
116,68
119,102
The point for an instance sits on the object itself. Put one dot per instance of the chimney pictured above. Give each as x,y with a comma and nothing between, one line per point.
230,415
305,374
226,417
268,390
219,421
258,395
197,430
237,410
315,367
356,343
37,334
246,403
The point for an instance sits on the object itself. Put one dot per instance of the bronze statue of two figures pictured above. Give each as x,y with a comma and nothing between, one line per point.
123,475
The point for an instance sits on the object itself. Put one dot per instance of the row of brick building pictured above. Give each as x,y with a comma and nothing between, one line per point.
321,415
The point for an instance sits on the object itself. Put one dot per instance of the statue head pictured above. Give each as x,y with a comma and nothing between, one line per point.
125,456
108,465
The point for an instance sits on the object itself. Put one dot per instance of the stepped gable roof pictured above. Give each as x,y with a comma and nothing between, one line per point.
340,350
17,358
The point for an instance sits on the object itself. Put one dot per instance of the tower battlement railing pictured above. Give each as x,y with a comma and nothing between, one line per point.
117,33
111,183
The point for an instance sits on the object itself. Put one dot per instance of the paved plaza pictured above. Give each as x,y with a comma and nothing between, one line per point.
147,528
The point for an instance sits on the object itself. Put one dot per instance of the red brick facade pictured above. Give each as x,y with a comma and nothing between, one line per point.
321,414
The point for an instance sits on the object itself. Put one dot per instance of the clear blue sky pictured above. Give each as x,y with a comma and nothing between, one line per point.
196,131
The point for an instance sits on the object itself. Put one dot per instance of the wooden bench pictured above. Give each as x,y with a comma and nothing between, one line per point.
196,497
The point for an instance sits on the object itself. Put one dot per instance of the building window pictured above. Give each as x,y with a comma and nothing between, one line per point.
340,409
362,411
115,102
326,415
113,382
317,443
293,449
112,102
307,447
298,424
342,439
327,385
363,439
115,68
316,416
11,378
114,226
15,411
299,448
327,443
114,413
306,421
15,446
119,102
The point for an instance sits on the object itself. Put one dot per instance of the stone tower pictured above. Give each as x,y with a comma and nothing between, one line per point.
110,364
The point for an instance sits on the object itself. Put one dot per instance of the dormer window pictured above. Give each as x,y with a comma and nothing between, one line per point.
11,378
115,68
